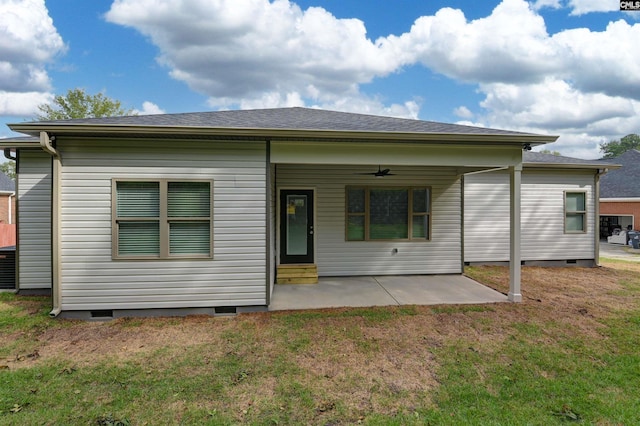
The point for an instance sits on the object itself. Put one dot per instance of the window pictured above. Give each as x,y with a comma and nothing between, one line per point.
161,219
575,212
388,213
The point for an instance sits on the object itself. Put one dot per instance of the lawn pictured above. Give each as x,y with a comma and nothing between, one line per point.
568,353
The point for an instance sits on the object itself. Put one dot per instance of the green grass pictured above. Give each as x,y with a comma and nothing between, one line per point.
502,364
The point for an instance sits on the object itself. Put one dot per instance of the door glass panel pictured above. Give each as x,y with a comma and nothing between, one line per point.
296,225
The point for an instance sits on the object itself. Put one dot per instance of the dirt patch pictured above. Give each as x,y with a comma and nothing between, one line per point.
88,342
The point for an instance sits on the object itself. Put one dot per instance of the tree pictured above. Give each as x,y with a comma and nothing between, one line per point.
78,104
9,169
548,151
615,148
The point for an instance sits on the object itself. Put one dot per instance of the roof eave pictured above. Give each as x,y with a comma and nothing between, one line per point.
620,199
570,165
16,144
34,129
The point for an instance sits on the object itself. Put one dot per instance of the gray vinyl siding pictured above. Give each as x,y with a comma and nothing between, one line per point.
543,238
236,276
337,257
34,220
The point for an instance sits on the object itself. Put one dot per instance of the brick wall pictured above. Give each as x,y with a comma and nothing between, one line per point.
4,209
7,235
624,209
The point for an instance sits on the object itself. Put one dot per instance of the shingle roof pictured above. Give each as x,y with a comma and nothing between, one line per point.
296,118
623,182
542,158
6,183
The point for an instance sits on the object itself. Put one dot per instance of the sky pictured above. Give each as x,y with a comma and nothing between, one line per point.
569,68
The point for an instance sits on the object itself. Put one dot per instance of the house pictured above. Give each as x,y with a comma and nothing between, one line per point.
204,212
620,195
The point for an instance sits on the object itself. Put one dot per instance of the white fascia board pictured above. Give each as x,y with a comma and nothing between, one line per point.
620,200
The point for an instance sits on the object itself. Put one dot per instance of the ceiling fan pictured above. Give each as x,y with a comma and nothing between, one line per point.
380,173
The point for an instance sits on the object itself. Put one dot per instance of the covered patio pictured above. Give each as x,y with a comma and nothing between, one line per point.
366,291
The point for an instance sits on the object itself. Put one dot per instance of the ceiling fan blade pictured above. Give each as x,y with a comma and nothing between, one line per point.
380,173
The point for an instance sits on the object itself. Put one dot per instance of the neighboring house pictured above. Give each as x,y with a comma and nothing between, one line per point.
200,212
620,195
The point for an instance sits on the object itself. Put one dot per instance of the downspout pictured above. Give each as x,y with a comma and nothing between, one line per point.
47,146
9,209
599,174
8,155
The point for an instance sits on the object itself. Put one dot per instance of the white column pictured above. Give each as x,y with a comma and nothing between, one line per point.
515,173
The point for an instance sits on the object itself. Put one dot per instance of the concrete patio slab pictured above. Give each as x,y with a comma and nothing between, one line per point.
438,289
333,292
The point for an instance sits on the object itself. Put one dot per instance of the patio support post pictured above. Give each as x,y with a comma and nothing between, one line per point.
515,180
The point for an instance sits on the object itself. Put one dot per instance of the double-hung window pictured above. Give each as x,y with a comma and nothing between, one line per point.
387,213
575,212
161,219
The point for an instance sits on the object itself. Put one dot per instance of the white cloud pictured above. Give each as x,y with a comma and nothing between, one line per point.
463,112
28,42
510,45
606,61
581,7
541,4
149,108
583,120
244,49
23,104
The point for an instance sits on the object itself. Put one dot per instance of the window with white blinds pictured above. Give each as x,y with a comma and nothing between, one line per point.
162,219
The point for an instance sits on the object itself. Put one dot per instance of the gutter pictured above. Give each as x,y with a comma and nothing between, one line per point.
274,134
47,145
531,165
